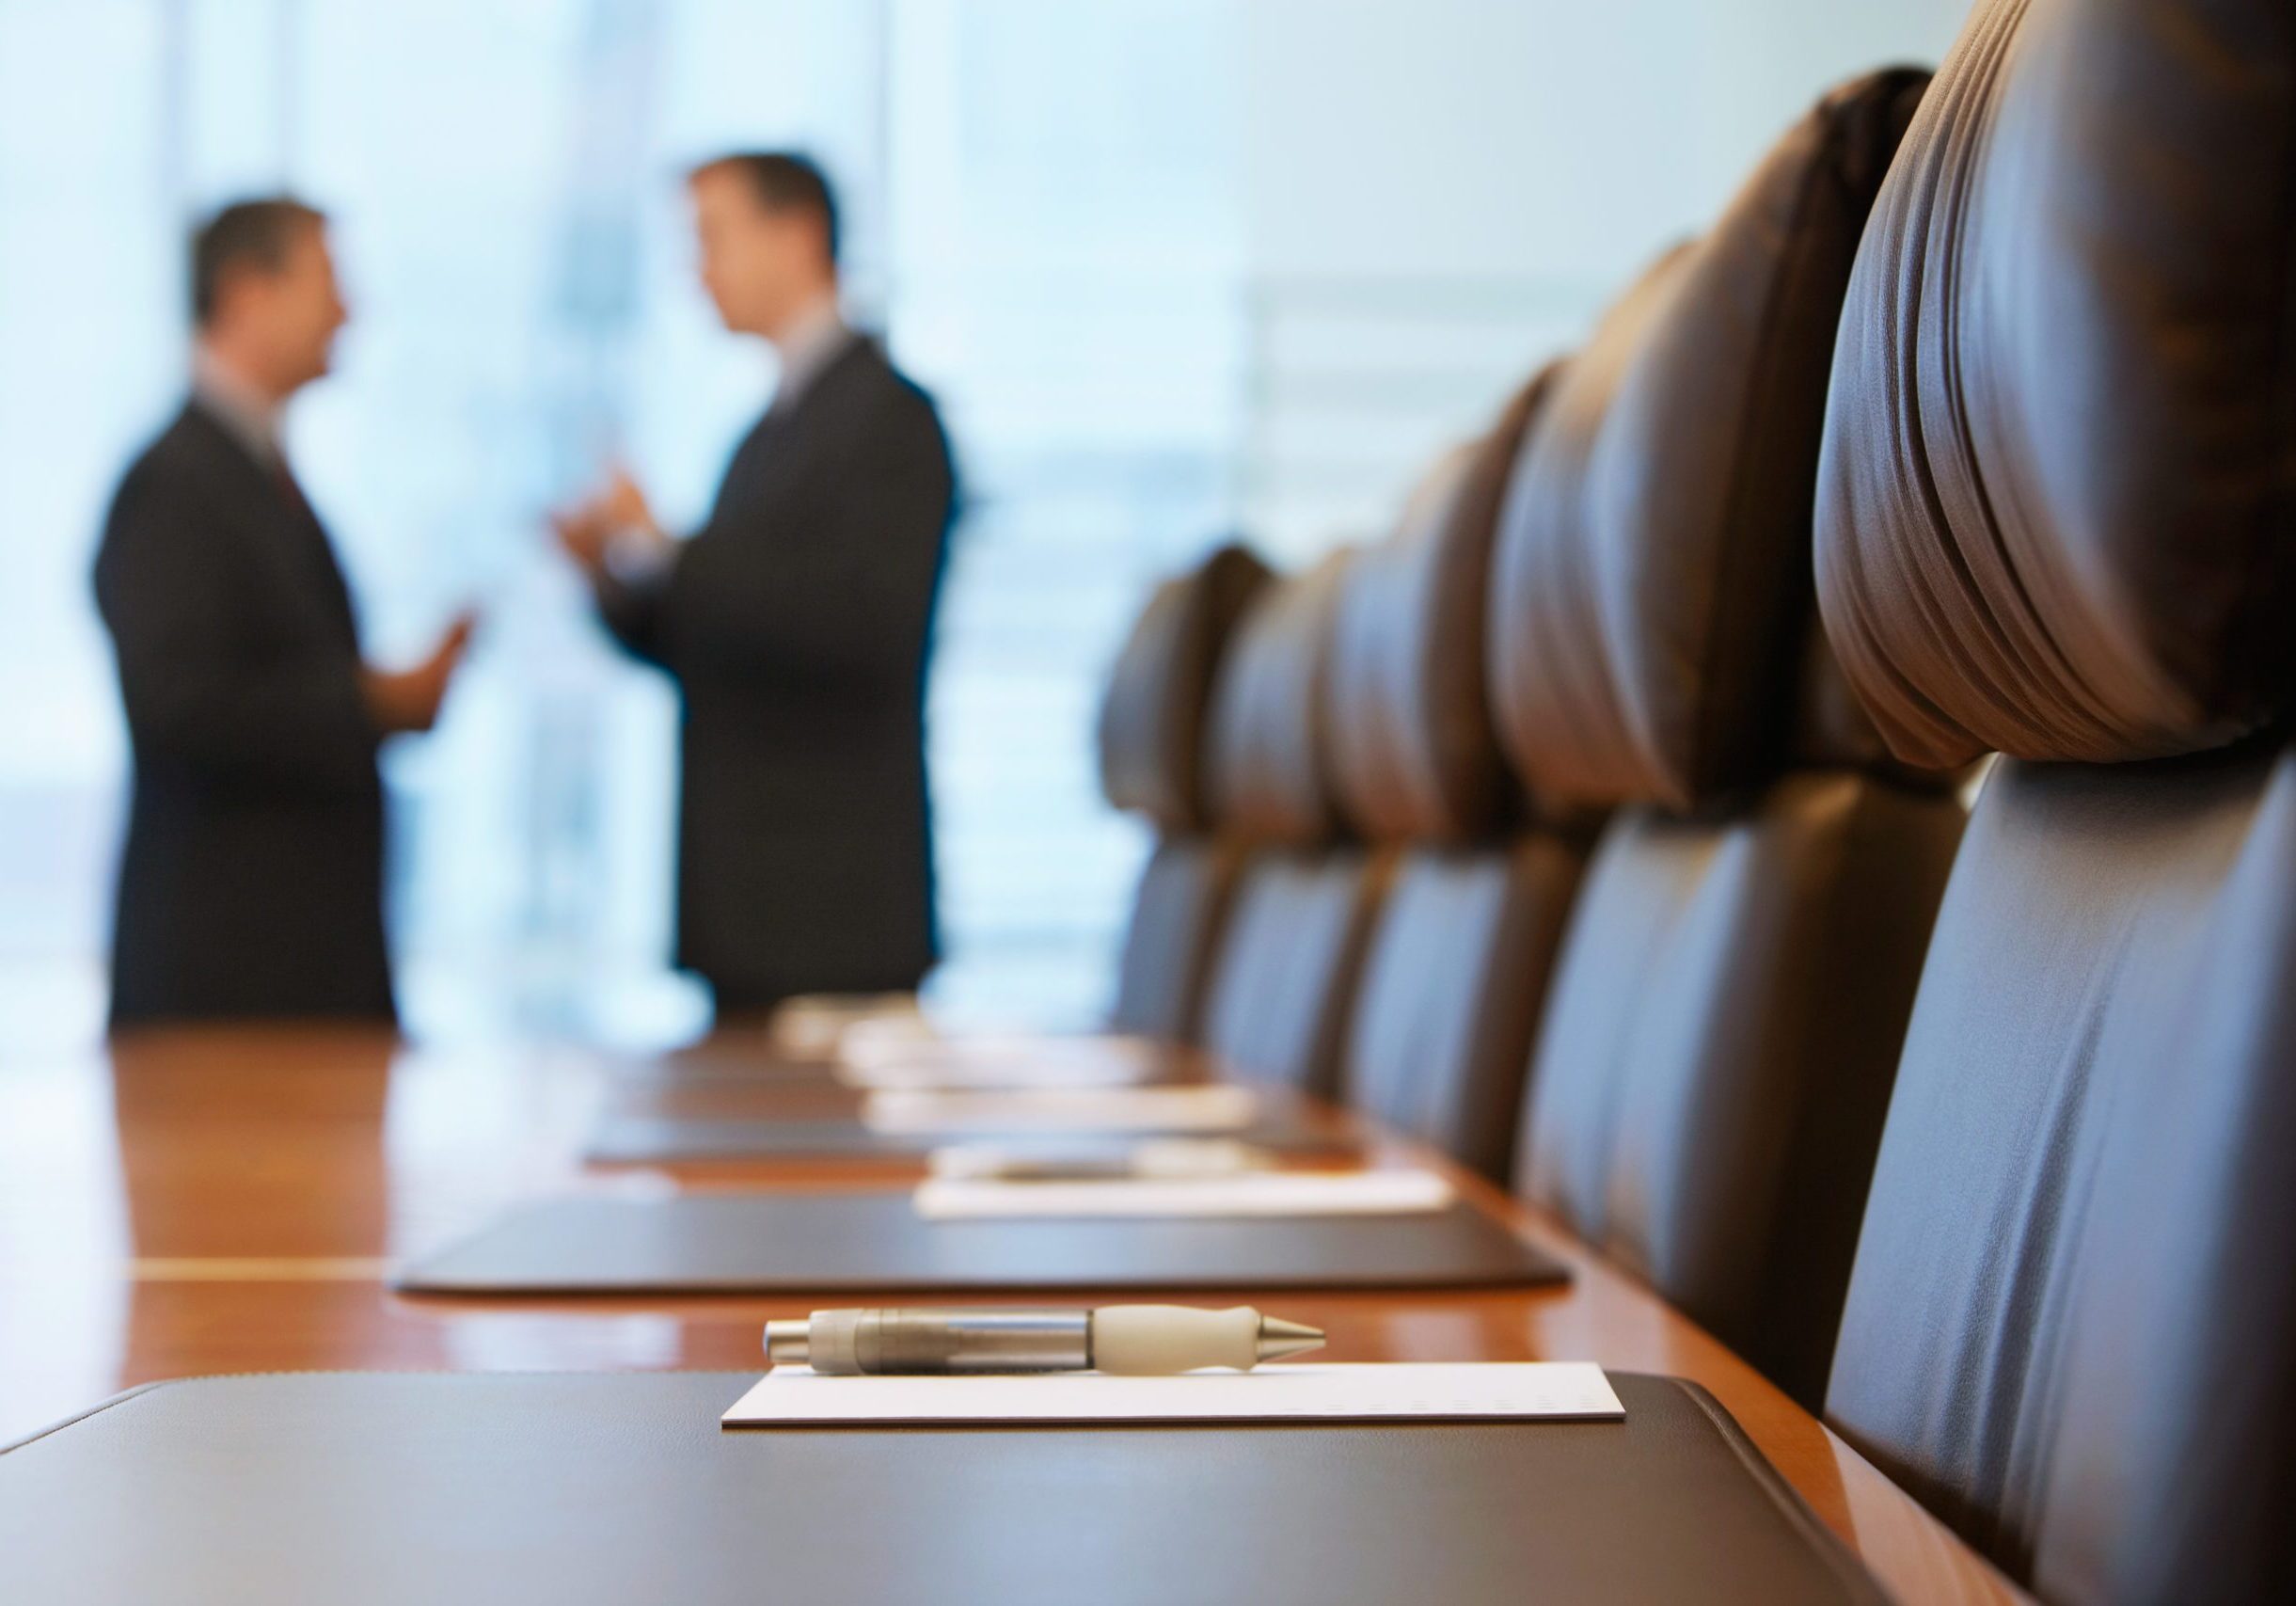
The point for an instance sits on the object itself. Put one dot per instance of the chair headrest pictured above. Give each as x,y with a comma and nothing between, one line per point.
1833,729
1153,718
2054,512
1650,593
1270,767
1412,744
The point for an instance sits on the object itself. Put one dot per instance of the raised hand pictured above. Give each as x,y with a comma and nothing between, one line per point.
619,513
408,699
585,534
623,504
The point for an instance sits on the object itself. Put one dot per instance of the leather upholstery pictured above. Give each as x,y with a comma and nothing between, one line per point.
1441,1029
2072,1320
1833,729
1412,743
1285,974
1153,730
1271,778
1290,965
1719,1038
2070,334
2054,517
1152,720
1719,1045
1178,912
1653,570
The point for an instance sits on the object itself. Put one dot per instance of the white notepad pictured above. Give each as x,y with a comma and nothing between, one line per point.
815,1023
1090,1157
999,1061
1572,1391
1217,1108
1396,1192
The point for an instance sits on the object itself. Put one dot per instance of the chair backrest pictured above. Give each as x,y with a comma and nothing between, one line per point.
1723,1025
1180,910
1438,1038
1152,735
1154,716
2054,520
1285,971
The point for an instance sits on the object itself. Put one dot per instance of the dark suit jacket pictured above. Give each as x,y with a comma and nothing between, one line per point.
798,623
251,882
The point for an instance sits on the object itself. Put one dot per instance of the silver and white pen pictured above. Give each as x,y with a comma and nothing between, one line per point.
1134,1340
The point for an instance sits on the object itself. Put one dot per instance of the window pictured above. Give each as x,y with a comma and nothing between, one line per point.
1042,219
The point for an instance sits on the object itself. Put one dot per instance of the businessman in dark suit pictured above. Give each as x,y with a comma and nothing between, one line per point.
251,879
796,624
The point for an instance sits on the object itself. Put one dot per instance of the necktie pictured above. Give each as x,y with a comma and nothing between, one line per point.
283,479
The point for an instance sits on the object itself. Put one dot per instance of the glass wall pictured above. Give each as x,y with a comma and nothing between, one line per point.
1041,219
1172,266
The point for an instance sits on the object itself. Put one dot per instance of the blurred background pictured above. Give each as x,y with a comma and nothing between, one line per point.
1172,268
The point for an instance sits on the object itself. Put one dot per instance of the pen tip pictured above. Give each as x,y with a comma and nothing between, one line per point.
1279,1338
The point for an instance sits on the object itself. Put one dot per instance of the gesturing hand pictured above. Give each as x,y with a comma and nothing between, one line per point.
624,505
584,534
408,699
589,529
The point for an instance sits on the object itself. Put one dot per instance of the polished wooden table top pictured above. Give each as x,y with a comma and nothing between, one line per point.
224,1201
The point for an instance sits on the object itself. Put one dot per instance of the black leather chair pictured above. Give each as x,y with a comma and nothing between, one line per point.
1442,1020
1152,736
2056,519
1722,1027
1285,976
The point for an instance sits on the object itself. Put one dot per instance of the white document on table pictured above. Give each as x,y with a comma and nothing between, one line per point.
993,1060
1219,1107
1396,1192
1570,1391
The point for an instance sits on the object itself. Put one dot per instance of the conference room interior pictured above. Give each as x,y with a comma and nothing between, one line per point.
1605,718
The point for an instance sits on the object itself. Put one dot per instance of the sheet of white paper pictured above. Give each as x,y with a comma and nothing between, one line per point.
815,1023
1252,1193
1215,1108
1008,1060
1091,1158
794,1396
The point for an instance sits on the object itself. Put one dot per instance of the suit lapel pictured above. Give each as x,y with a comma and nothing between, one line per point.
769,457
286,523
318,555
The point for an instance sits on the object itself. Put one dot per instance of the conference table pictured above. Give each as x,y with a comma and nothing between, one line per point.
201,1201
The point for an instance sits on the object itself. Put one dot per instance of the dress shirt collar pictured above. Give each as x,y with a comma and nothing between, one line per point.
251,417
807,347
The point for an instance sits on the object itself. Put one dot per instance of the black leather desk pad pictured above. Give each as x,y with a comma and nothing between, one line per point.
359,1489
722,1065
632,1139
852,1242
669,1088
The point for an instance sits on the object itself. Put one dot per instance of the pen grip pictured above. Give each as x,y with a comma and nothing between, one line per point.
1152,1339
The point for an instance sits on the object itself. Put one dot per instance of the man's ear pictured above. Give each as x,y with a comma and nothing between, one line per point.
232,288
